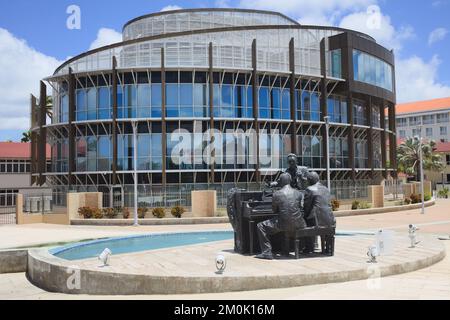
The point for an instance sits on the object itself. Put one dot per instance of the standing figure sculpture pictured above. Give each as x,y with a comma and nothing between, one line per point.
297,173
287,203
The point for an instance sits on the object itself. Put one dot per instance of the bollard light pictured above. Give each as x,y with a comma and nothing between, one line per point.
373,253
221,263
412,233
104,257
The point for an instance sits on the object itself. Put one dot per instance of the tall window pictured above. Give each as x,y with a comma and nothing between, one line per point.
336,66
359,113
371,70
337,109
442,118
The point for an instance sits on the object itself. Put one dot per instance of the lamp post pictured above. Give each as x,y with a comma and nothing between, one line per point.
421,170
327,130
136,223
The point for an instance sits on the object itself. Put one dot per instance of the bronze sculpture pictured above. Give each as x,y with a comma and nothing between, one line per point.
298,212
297,173
317,203
286,202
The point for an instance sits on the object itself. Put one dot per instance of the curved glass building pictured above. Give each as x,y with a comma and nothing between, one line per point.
237,89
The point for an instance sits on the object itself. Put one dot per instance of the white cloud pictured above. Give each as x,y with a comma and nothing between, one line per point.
170,8
382,30
105,36
22,67
417,79
436,35
310,12
222,3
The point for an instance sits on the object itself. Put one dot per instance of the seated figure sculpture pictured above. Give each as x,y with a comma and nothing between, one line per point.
317,203
317,207
287,203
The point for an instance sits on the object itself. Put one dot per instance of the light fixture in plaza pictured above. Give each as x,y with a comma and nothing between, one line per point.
221,263
327,134
373,253
104,257
135,175
422,190
412,233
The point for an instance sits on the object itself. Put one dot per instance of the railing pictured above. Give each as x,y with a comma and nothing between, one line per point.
7,208
33,204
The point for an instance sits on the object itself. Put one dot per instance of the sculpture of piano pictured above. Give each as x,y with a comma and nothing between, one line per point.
246,209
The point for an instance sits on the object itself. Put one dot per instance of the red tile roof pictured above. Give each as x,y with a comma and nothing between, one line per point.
16,150
443,147
422,106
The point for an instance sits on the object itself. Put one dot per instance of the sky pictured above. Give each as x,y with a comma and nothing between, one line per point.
35,39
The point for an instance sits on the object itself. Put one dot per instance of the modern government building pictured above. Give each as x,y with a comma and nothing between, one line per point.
224,69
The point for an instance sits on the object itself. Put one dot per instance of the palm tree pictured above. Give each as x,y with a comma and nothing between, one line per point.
26,136
408,157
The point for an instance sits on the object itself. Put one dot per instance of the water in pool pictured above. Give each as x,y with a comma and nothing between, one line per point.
91,249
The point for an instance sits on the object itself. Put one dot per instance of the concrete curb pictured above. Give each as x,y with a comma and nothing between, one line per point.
13,261
148,222
53,274
361,212
214,220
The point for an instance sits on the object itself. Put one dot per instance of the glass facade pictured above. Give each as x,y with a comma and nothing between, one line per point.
337,109
371,70
175,151
359,113
336,63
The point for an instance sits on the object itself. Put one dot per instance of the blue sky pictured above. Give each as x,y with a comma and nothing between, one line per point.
34,40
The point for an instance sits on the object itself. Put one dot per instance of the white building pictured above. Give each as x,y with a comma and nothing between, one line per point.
433,115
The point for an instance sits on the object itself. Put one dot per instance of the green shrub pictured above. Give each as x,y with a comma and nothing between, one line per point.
110,213
415,198
443,193
125,213
335,204
142,211
364,205
159,213
177,211
97,213
427,197
86,212
407,200
355,205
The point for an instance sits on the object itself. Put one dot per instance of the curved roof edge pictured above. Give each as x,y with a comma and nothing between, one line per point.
201,31
155,14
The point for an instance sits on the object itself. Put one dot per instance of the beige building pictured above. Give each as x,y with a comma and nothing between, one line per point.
15,169
432,115
441,177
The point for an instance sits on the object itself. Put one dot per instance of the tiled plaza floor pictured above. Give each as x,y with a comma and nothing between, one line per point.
429,283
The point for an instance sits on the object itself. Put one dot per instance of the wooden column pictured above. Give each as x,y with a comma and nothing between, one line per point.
114,120
42,138
255,91
292,96
323,100
370,136
163,118
211,107
392,139
33,138
72,146
383,140
350,136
